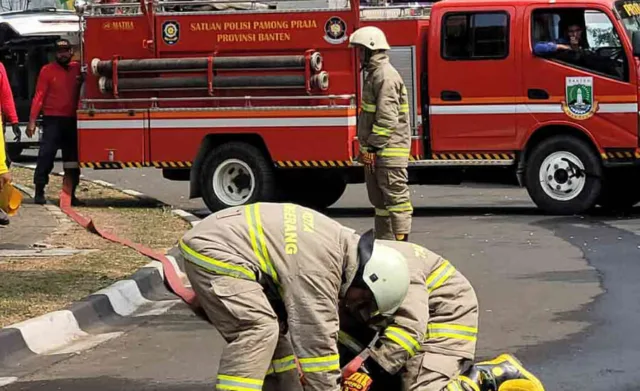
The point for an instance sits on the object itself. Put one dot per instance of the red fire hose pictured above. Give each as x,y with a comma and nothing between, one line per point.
171,276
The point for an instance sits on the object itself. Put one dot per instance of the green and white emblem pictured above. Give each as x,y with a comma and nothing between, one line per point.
580,102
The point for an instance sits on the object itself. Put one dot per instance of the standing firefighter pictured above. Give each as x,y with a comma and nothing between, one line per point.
266,270
432,338
56,95
384,135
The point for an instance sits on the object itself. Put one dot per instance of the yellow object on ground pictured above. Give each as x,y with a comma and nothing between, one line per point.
10,199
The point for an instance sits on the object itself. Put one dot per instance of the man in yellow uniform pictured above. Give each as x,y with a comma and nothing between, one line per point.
384,135
268,273
431,341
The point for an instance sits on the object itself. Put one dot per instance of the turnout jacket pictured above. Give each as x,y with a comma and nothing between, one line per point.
383,123
439,314
303,258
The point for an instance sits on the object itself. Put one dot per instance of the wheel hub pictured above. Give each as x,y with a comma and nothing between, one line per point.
562,176
233,182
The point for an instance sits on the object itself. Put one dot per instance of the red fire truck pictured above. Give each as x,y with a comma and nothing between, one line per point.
259,101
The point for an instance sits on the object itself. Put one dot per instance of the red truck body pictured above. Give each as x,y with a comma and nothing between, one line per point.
485,105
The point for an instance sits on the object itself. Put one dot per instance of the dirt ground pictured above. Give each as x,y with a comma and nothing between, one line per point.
33,286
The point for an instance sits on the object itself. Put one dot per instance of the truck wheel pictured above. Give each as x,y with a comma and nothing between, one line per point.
235,174
316,191
14,152
563,175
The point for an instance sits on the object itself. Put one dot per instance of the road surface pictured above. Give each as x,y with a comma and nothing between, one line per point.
559,292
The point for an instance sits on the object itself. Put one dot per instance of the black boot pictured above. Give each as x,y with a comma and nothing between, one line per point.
39,197
4,219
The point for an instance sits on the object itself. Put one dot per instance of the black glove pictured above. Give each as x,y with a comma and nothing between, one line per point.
17,132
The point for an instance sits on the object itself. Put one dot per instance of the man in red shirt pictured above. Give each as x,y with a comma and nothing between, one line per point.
57,97
7,115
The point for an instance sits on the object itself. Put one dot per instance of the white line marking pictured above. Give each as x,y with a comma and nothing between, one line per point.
618,108
102,183
86,343
134,193
219,123
545,108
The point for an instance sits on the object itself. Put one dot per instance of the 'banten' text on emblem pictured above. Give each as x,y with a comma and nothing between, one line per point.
579,101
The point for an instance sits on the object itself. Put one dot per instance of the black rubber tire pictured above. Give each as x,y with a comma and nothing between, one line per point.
262,171
586,199
617,193
14,152
315,190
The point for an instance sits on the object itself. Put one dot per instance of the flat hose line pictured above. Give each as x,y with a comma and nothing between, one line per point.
170,273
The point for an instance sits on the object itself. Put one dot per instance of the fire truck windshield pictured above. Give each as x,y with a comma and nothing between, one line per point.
629,12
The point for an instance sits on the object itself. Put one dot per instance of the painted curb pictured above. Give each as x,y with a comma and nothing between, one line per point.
70,329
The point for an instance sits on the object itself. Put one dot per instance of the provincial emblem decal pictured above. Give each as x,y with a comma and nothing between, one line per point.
579,101
170,32
335,30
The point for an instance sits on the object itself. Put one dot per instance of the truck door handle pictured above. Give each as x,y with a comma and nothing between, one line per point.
535,93
450,95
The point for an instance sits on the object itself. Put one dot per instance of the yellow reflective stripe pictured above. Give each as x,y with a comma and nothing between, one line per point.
380,131
403,207
284,364
236,383
440,275
320,364
214,265
454,386
469,382
394,152
256,232
349,341
382,212
404,108
368,107
403,339
404,90
439,330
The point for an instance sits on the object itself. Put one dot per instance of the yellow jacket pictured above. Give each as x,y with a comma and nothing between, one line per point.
3,157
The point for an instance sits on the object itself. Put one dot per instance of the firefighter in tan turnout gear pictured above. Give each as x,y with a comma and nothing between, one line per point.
271,278
384,135
431,340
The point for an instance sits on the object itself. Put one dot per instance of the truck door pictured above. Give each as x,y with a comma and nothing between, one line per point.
473,80
590,84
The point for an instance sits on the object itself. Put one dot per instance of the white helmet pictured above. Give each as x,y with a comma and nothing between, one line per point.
385,272
370,37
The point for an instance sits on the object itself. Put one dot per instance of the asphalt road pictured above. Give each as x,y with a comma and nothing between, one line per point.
561,293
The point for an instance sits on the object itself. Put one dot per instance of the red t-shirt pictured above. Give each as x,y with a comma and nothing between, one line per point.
57,91
7,105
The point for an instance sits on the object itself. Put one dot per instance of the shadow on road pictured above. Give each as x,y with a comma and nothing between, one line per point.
106,383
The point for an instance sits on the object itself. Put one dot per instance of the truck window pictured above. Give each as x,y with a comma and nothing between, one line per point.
582,38
475,36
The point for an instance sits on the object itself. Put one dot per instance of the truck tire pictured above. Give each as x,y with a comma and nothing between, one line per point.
551,178
236,173
313,190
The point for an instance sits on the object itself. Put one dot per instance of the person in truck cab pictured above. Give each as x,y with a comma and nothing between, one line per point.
384,135
56,96
574,42
429,343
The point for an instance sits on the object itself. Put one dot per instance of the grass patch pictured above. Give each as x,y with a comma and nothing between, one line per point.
32,287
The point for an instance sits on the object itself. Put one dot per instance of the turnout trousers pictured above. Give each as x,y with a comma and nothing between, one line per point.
58,133
258,354
389,194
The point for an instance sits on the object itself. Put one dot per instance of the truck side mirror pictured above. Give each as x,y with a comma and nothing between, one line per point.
635,41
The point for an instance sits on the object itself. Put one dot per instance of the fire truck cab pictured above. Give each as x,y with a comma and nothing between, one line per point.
260,101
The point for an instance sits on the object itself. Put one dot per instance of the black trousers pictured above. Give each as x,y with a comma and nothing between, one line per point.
58,133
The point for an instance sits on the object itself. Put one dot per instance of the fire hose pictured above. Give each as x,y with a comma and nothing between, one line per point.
171,276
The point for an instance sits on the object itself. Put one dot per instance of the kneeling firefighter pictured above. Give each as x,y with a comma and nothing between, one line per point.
271,278
442,302
384,135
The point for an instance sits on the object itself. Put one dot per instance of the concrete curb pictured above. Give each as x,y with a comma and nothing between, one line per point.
78,326
183,214
72,328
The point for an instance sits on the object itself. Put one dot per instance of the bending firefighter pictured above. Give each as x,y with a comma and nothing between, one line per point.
431,340
384,135
269,273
